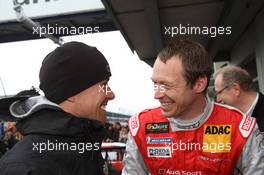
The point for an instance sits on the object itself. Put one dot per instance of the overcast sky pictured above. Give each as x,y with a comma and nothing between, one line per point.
20,63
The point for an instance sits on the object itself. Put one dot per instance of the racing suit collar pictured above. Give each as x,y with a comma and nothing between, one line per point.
179,124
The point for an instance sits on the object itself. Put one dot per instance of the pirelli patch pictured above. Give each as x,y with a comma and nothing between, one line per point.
217,138
161,127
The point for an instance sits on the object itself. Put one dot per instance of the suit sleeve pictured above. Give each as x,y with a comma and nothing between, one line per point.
133,161
251,160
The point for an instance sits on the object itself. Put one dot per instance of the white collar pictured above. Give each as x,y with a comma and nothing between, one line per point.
178,124
250,110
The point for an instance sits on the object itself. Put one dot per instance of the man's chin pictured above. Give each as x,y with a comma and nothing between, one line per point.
102,116
166,113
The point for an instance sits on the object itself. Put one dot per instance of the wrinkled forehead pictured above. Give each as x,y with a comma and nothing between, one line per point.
170,71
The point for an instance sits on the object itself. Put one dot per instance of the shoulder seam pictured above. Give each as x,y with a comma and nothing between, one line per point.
230,108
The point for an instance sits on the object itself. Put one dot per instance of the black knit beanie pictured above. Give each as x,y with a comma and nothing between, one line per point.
70,69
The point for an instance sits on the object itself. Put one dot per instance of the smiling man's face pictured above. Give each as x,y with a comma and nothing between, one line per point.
91,103
171,88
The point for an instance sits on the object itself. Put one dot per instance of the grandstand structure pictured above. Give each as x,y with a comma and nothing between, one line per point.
231,30
117,117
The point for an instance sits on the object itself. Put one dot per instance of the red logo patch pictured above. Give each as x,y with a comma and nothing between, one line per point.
247,123
134,123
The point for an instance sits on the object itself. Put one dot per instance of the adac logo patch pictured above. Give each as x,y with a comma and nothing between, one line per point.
217,138
162,127
217,129
161,152
165,140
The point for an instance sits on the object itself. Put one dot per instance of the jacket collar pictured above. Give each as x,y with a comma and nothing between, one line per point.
59,123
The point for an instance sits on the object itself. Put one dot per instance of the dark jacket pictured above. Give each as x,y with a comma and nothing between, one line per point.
55,143
258,112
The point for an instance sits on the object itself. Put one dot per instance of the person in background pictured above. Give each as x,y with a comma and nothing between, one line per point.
110,132
234,87
2,130
63,130
123,134
117,128
11,135
3,145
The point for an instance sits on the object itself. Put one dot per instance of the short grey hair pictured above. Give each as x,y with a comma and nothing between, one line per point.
235,74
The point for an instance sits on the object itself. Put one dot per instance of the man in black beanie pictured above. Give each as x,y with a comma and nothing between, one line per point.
64,129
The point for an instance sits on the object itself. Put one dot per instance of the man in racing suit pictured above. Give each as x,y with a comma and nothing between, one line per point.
188,134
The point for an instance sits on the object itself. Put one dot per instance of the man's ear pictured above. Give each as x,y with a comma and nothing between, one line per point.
237,89
200,84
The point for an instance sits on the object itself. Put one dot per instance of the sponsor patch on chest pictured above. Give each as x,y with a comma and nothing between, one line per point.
161,152
162,127
158,140
217,138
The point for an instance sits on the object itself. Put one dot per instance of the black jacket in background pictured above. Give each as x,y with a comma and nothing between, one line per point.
57,127
258,112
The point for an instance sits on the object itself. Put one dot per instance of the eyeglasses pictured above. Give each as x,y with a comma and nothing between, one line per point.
220,91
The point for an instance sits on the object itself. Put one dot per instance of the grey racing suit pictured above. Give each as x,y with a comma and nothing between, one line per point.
251,159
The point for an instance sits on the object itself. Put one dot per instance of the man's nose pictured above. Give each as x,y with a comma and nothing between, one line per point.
110,94
159,93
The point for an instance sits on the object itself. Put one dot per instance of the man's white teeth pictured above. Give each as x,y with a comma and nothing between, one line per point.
165,104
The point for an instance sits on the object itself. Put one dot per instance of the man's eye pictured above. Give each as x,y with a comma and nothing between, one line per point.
165,86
